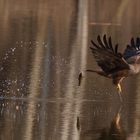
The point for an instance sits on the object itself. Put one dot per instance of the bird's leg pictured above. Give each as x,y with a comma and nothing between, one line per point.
81,75
119,91
100,72
119,88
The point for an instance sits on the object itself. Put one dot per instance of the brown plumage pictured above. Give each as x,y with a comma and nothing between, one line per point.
114,64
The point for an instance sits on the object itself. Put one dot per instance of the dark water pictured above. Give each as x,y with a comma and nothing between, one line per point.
44,45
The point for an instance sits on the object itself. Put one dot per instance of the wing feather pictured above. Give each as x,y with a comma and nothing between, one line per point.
110,44
116,48
105,42
100,42
132,52
108,57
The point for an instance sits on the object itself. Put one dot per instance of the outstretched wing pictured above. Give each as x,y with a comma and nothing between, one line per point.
132,52
108,57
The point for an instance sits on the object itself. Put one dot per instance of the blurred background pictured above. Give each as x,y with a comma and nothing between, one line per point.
44,45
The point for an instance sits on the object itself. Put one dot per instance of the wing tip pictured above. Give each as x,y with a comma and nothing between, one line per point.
133,48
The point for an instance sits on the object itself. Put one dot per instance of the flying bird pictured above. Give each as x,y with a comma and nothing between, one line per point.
113,64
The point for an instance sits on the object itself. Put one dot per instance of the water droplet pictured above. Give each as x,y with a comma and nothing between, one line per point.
13,49
17,107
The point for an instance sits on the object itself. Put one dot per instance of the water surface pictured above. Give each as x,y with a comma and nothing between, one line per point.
44,45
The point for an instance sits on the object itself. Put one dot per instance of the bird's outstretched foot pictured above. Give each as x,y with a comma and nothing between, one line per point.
119,91
119,88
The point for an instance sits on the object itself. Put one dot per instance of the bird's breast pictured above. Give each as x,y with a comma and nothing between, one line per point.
134,69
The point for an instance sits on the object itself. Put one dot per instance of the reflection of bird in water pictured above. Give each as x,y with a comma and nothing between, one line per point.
115,132
113,64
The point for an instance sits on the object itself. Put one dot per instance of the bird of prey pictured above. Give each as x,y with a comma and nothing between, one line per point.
113,64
